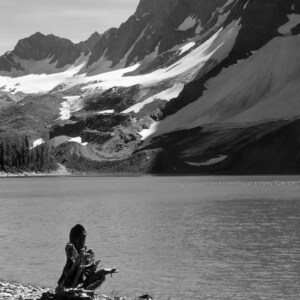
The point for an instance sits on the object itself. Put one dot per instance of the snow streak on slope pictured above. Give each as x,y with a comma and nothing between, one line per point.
186,47
167,94
264,87
209,162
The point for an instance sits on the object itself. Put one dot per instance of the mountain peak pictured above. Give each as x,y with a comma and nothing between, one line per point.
37,35
156,6
87,45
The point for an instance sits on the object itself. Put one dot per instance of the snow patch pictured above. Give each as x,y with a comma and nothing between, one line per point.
186,47
58,140
77,140
245,6
72,104
188,23
36,143
209,162
225,5
104,112
167,95
148,132
199,28
286,29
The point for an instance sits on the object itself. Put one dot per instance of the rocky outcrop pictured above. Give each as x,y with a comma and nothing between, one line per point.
156,27
16,291
87,45
38,47
11,291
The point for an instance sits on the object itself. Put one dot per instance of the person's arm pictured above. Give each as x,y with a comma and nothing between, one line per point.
65,279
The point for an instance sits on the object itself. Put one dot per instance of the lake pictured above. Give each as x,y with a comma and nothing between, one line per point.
171,237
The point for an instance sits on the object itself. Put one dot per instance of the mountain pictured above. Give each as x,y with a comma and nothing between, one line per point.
155,28
87,45
183,86
41,53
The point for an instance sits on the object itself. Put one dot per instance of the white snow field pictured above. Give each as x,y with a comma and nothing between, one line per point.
264,87
38,83
215,48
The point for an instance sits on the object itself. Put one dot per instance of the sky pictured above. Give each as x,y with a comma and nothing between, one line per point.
72,19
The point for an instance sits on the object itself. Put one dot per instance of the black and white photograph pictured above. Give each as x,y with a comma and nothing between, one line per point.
150,149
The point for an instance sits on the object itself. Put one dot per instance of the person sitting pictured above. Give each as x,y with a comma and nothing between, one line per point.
81,267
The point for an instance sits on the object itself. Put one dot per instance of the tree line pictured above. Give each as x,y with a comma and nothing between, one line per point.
17,155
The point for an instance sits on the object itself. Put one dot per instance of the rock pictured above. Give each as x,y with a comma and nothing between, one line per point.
154,25
146,297
87,46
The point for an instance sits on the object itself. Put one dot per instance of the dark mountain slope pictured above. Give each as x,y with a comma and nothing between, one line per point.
39,47
156,26
87,45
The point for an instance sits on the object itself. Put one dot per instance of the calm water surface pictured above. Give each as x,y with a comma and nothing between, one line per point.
171,237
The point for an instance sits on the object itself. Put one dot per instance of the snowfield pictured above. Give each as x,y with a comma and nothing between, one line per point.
264,87
38,83
215,48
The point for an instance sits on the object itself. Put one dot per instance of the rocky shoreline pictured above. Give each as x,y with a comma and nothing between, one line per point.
16,291
9,291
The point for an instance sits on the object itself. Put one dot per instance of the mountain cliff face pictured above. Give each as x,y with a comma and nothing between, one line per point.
155,28
190,86
87,45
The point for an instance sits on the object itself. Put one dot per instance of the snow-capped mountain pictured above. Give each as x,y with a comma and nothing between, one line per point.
182,85
41,53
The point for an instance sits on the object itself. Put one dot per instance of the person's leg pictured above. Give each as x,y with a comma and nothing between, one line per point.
95,280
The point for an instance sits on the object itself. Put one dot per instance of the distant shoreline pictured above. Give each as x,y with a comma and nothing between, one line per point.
61,171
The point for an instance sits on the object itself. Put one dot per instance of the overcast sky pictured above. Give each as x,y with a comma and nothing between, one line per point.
72,19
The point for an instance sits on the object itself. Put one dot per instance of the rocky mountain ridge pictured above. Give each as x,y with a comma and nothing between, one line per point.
56,51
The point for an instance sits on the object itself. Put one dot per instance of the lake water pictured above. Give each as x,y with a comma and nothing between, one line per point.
171,237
